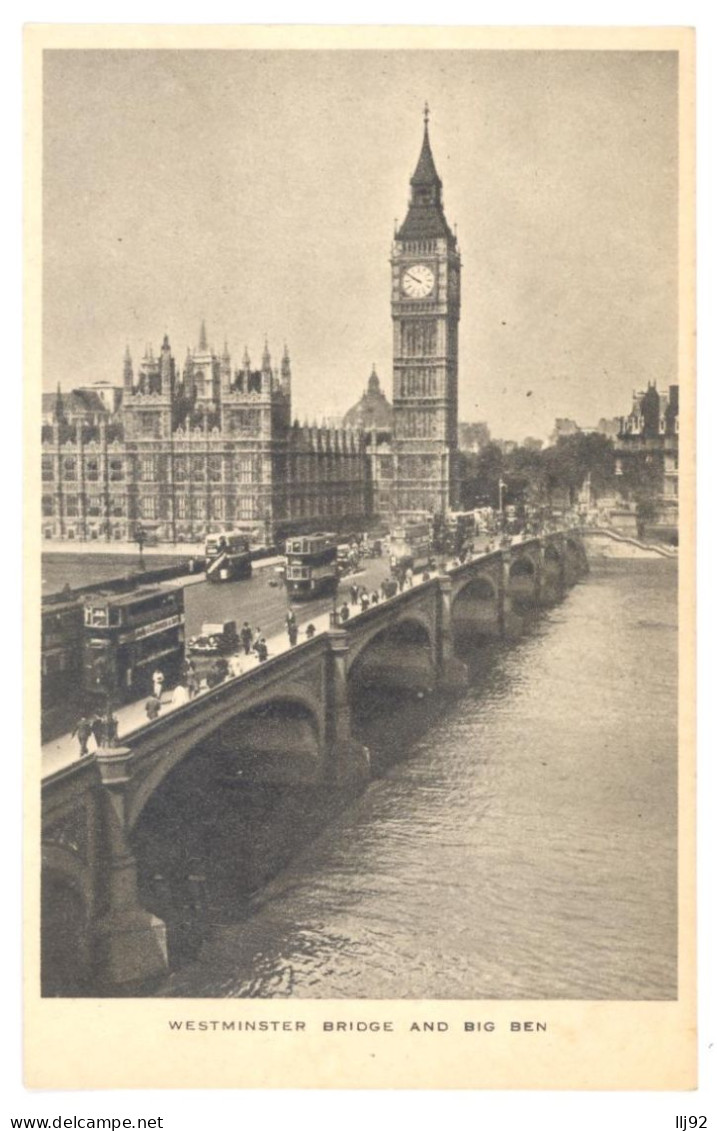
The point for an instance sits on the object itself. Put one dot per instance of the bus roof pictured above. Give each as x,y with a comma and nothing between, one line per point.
142,593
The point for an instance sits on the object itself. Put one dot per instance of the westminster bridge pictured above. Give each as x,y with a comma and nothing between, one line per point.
287,721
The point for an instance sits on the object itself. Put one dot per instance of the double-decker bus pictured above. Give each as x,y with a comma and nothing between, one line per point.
461,530
411,545
127,636
311,565
228,556
62,636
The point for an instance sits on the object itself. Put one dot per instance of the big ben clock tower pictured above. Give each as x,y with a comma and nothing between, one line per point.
425,305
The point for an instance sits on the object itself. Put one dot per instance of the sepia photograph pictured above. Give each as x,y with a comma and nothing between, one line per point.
358,514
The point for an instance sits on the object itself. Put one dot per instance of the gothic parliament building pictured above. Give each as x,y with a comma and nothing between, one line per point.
181,451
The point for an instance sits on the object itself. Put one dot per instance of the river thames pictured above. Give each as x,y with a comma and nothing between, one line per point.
518,842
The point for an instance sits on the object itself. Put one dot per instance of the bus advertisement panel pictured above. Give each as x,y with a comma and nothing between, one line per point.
127,637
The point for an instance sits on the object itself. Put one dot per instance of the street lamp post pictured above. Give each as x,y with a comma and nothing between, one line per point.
501,489
140,537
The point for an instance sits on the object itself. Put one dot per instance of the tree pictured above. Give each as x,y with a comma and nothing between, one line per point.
481,472
641,483
573,458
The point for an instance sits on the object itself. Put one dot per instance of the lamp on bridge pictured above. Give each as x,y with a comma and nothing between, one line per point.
334,614
140,537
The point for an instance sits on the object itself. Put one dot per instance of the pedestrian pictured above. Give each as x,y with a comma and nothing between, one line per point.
354,594
83,730
293,633
290,618
344,611
152,707
384,589
98,730
189,677
261,649
374,597
310,631
246,636
426,575
180,695
409,577
401,580
158,683
365,602
217,673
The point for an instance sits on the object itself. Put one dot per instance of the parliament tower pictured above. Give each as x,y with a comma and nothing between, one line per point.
425,306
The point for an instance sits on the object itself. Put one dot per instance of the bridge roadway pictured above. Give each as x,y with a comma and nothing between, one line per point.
285,721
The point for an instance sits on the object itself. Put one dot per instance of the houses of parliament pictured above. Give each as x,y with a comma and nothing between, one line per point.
181,450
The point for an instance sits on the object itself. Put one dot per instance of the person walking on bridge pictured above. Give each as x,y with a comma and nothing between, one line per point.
293,632
246,636
158,683
344,612
98,730
153,707
354,591
83,730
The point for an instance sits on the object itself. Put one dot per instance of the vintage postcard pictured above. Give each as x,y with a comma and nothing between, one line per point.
360,525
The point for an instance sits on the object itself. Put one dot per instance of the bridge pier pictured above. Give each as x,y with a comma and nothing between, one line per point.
347,761
452,673
510,622
550,575
131,942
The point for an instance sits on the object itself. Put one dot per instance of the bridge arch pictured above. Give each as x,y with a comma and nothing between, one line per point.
475,611
67,899
553,574
522,582
291,703
401,655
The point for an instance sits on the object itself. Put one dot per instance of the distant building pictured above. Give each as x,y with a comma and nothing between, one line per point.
181,450
649,437
373,410
608,426
87,405
425,307
532,444
564,427
187,452
472,437
506,446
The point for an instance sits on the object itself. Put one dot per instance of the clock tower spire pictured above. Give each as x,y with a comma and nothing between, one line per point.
425,306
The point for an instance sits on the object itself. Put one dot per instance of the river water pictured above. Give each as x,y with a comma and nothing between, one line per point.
520,842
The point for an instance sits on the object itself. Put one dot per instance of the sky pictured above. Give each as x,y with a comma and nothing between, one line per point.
258,190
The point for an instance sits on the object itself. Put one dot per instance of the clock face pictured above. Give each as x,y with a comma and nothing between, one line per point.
417,281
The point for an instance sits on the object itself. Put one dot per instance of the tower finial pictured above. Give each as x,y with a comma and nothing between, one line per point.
426,114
